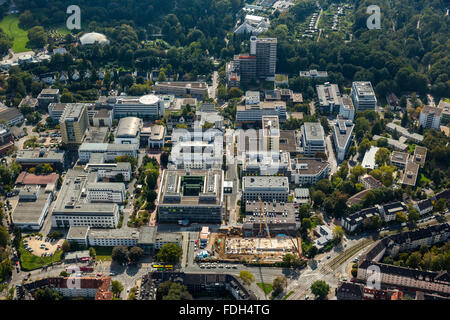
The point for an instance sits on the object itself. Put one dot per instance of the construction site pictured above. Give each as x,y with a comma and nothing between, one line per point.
233,245
235,248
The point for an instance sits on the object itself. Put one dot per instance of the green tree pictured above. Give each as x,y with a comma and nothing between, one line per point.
401,217
440,205
65,246
278,285
37,37
414,260
338,234
247,277
47,294
120,254
234,92
4,236
382,156
320,289
116,288
135,253
170,253
92,252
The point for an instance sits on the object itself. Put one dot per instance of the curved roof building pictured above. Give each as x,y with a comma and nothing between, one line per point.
129,127
93,37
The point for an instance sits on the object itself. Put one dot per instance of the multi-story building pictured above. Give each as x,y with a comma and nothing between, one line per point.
73,206
6,139
32,207
268,188
182,89
430,117
369,182
110,170
109,150
33,158
55,110
445,106
79,287
389,211
245,67
252,98
156,137
353,221
259,64
265,50
363,96
113,237
414,137
246,114
329,97
12,116
197,149
191,196
48,96
308,171
313,74
346,108
128,131
261,163
144,107
369,162
106,192
312,138
399,159
342,137
271,134
73,124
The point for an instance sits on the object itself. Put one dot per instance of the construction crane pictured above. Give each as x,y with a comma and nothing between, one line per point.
261,208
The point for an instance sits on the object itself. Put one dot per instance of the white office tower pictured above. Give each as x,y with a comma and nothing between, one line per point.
363,96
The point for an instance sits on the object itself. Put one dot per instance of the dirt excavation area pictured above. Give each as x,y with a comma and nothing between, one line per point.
252,248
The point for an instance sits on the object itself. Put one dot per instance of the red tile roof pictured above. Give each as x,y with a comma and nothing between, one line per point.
29,178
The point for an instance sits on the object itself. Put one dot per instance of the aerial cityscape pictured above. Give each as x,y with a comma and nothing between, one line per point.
227,150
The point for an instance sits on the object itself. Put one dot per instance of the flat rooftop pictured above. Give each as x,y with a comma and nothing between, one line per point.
29,212
342,130
77,232
369,158
191,187
363,88
313,131
410,173
308,166
265,182
49,155
400,157
184,84
420,155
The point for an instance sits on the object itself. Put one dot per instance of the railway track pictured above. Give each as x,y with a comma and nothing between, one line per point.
347,254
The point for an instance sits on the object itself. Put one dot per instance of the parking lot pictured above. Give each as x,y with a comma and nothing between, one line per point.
40,247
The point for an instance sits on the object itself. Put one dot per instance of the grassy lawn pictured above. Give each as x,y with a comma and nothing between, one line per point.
30,262
103,253
266,287
424,180
10,25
